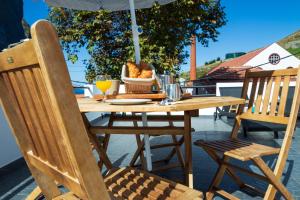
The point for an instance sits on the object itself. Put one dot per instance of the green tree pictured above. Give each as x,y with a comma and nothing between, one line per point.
167,31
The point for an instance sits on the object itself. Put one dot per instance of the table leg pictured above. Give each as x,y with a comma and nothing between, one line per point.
147,143
177,147
97,146
139,152
188,149
106,139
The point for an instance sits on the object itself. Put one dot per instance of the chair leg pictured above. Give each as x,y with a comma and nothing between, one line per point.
100,150
47,185
217,178
229,171
35,194
178,150
276,182
137,153
216,115
140,143
245,132
172,153
105,146
276,136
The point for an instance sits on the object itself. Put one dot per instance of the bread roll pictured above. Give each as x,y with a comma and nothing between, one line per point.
145,73
133,70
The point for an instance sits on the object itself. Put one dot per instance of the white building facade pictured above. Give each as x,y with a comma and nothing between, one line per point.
274,57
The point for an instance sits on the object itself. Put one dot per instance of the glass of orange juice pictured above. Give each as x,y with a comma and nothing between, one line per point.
103,83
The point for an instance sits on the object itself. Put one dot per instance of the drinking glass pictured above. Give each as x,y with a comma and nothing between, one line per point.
103,83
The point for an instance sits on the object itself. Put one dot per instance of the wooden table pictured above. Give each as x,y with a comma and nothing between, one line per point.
188,106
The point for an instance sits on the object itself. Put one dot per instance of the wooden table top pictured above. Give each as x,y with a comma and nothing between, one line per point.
195,103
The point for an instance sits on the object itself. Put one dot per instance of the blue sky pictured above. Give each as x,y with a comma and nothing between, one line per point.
251,24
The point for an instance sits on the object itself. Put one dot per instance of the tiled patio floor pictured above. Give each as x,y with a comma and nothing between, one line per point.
16,182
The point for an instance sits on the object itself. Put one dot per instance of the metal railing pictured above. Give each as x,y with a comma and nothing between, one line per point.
201,90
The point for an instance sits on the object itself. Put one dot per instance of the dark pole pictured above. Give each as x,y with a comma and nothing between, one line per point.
193,72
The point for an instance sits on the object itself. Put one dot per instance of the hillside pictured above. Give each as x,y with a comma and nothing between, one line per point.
291,43
201,70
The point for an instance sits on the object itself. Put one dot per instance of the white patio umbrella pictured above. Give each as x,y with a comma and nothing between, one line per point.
112,5
118,5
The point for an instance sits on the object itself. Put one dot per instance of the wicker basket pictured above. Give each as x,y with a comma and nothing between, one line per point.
137,85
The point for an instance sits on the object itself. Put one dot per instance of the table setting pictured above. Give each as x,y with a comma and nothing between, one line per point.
160,94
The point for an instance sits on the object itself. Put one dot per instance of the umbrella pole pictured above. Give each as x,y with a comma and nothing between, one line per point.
147,143
135,32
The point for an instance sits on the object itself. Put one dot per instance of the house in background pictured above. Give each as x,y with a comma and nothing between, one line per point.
272,57
233,70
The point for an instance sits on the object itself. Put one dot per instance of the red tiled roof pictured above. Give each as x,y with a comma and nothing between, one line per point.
231,73
236,62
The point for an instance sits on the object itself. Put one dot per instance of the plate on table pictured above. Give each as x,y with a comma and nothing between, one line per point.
128,101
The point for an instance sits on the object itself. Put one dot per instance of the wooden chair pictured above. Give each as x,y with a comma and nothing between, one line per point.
38,100
269,104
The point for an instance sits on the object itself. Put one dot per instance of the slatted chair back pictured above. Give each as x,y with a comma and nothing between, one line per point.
38,100
268,97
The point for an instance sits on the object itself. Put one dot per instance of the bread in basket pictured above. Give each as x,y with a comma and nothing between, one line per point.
138,78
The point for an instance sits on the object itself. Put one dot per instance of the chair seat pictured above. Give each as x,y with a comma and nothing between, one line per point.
238,149
132,184
129,183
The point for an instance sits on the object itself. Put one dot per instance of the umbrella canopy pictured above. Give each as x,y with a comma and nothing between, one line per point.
112,5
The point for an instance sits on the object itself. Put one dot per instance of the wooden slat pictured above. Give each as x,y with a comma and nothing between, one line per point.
283,96
239,149
129,181
52,171
67,196
13,59
259,95
225,194
274,73
137,130
265,118
147,186
275,95
266,101
26,90
237,123
42,118
13,99
53,125
21,133
29,119
158,118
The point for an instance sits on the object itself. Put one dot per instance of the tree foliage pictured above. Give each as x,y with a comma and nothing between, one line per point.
167,31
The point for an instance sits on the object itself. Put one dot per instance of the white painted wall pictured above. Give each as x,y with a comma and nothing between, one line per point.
263,57
9,150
